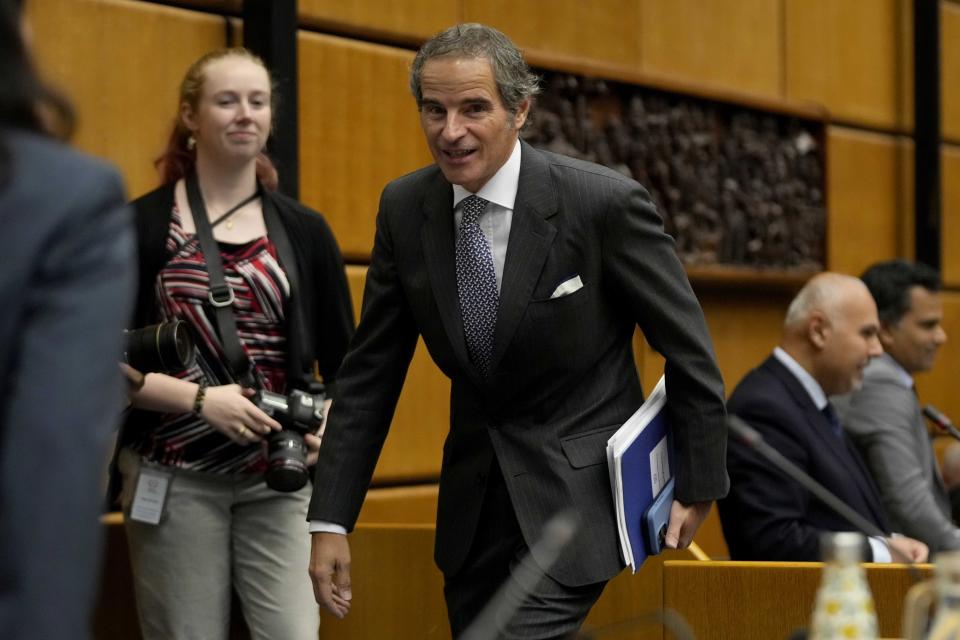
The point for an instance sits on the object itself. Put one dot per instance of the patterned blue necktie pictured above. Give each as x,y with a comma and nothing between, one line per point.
831,415
476,285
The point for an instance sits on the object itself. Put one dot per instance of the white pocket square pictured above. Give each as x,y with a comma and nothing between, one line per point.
567,287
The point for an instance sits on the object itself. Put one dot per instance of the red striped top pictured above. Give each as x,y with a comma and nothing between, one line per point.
260,288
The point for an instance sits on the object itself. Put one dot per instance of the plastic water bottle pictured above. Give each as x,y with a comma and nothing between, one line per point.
844,607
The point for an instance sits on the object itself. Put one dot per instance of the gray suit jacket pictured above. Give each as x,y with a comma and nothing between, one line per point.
883,418
563,376
66,290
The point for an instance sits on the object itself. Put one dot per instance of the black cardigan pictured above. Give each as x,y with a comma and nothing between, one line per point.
324,295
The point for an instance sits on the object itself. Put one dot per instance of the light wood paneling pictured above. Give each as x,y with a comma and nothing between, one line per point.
121,63
735,600
939,386
730,43
397,589
852,56
950,69
414,448
409,505
745,327
416,18
630,598
603,30
359,129
864,190
950,212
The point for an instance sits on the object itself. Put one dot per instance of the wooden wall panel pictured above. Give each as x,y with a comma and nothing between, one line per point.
414,448
359,129
735,44
416,504
852,56
602,30
745,327
939,386
121,63
735,600
863,196
950,211
950,69
416,18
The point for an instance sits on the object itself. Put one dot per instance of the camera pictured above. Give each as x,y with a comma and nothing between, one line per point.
161,348
298,413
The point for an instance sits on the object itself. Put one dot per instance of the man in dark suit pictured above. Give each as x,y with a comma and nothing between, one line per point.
66,289
526,273
829,336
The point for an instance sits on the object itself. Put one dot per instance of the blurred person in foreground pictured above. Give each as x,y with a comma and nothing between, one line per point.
829,335
205,522
527,274
66,290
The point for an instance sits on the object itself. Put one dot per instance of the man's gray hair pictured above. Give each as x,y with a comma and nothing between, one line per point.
515,81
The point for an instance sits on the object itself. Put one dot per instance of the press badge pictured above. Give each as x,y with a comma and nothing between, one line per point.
150,495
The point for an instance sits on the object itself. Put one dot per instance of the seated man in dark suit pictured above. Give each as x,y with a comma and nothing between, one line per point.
883,417
829,336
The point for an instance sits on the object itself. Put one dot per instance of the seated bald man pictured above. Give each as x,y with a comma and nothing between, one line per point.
829,335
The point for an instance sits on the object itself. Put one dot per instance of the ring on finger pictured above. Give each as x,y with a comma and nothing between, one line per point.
242,432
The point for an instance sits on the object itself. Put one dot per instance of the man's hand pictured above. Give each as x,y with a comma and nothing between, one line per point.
685,519
330,572
904,549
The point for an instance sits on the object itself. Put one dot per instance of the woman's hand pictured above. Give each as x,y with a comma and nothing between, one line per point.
228,409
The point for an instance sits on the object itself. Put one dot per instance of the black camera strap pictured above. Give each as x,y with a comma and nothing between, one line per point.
299,344
221,295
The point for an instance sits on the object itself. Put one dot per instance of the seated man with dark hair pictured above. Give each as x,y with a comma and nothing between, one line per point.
829,336
883,417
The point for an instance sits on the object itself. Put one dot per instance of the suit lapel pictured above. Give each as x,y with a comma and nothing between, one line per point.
843,452
530,239
437,240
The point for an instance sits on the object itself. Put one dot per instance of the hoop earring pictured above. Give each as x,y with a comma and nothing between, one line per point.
191,143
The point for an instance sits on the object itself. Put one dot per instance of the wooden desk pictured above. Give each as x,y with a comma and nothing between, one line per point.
769,600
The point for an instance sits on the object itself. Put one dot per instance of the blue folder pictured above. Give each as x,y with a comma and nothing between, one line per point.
641,462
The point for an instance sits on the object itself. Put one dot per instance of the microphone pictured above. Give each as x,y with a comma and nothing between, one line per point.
556,534
940,420
752,438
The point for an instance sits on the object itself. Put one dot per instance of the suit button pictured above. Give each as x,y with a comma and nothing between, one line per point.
481,479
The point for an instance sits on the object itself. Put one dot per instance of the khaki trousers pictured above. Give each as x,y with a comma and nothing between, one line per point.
219,533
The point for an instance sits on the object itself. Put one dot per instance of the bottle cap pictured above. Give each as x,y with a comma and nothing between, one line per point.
844,547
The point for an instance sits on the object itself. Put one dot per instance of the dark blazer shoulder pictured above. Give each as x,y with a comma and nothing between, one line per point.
767,385
413,183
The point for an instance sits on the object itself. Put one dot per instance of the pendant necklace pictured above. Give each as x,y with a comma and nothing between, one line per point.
234,209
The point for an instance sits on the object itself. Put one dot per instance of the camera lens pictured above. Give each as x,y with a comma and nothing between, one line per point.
166,347
286,462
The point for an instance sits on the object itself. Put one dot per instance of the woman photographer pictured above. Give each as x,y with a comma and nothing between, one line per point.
200,518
